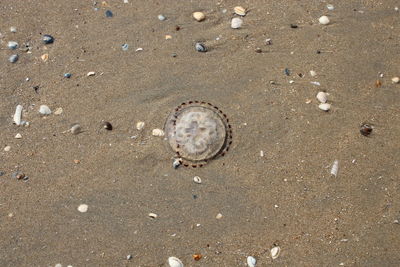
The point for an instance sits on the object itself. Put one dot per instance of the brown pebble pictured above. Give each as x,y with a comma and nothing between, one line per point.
378,83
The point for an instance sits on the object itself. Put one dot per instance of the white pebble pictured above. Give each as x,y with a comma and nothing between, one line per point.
335,168
91,73
313,73
330,7
174,262
83,208
140,125
236,23
324,20
44,110
275,251
18,115
395,80
75,129
158,132
219,216
324,106
199,16
322,97
197,179
18,136
153,215
7,148
251,261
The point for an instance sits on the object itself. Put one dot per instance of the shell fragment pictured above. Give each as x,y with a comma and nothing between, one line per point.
174,262
275,251
18,115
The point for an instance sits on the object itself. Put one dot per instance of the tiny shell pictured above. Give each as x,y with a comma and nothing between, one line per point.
335,168
199,16
18,136
219,216
44,110
83,208
324,20
7,148
174,262
395,80
58,111
313,73
158,132
176,163
200,47
241,11
161,17
330,7
324,106
275,251
106,125
197,179
140,125
18,115
197,257
45,57
322,97
153,215
251,261
75,129
236,23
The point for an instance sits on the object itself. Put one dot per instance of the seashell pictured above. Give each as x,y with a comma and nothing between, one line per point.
45,57
236,23
241,11
106,125
83,208
125,47
330,7
324,106
140,125
13,29
12,45
91,73
335,168
322,97
153,215
18,136
47,39
275,251
197,257
200,47
174,262
219,216
44,110
197,179
251,261
313,73
13,58
67,75
395,80
158,132
199,16
58,111
324,20
161,17
75,129
18,115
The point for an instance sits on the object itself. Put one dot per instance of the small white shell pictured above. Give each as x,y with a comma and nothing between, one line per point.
199,16
174,262
219,216
44,110
58,111
158,132
275,251
335,168
75,129
91,73
313,73
83,208
322,97
324,20
241,11
324,106
18,136
18,115
395,80
139,125
330,7
197,180
153,215
236,23
251,261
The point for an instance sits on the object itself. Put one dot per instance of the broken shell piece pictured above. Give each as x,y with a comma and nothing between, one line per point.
199,16
197,179
177,163
44,110
174,262
158,132
322,97
251,261
18,136
313,73
395,80
324,20
153,215
18,115
91,73
275,251
324,106
219,216
75,129
140,125
241,11
83,208
106,125
45,57
335,168
197,257
58,111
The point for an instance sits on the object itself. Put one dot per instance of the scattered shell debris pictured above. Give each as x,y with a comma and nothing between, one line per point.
174,262
395,80
83,208
324,20
91,73
275,251
7,148
58,111
313,73
219,216
18,136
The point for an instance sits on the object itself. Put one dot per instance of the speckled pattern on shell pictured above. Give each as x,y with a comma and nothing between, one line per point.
198,132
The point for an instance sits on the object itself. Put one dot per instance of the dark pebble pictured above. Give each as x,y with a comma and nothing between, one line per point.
109,14
47,39
287,72
293,26
200,47
2,173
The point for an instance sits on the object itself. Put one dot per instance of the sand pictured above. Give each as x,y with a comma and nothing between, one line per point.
286,198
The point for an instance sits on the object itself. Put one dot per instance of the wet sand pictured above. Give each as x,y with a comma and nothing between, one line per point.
286,198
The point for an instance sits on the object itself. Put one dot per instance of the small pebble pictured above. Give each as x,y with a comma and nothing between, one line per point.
13,29
7,148
83,208
324,106
199,16
44,110
241,11
58,111
13,58
287,72
258,50
366,129
200,47
395,80
91,73
109,14
161,17
219,216
322,97
140,125
324,20
174,55
157,132
12,45
236,23
153,215
261,153
1,174
125,47
67,75
18,136
197,179
75,129
47,39
168,37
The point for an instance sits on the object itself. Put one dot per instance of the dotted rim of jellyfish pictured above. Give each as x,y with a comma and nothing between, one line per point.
228,128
